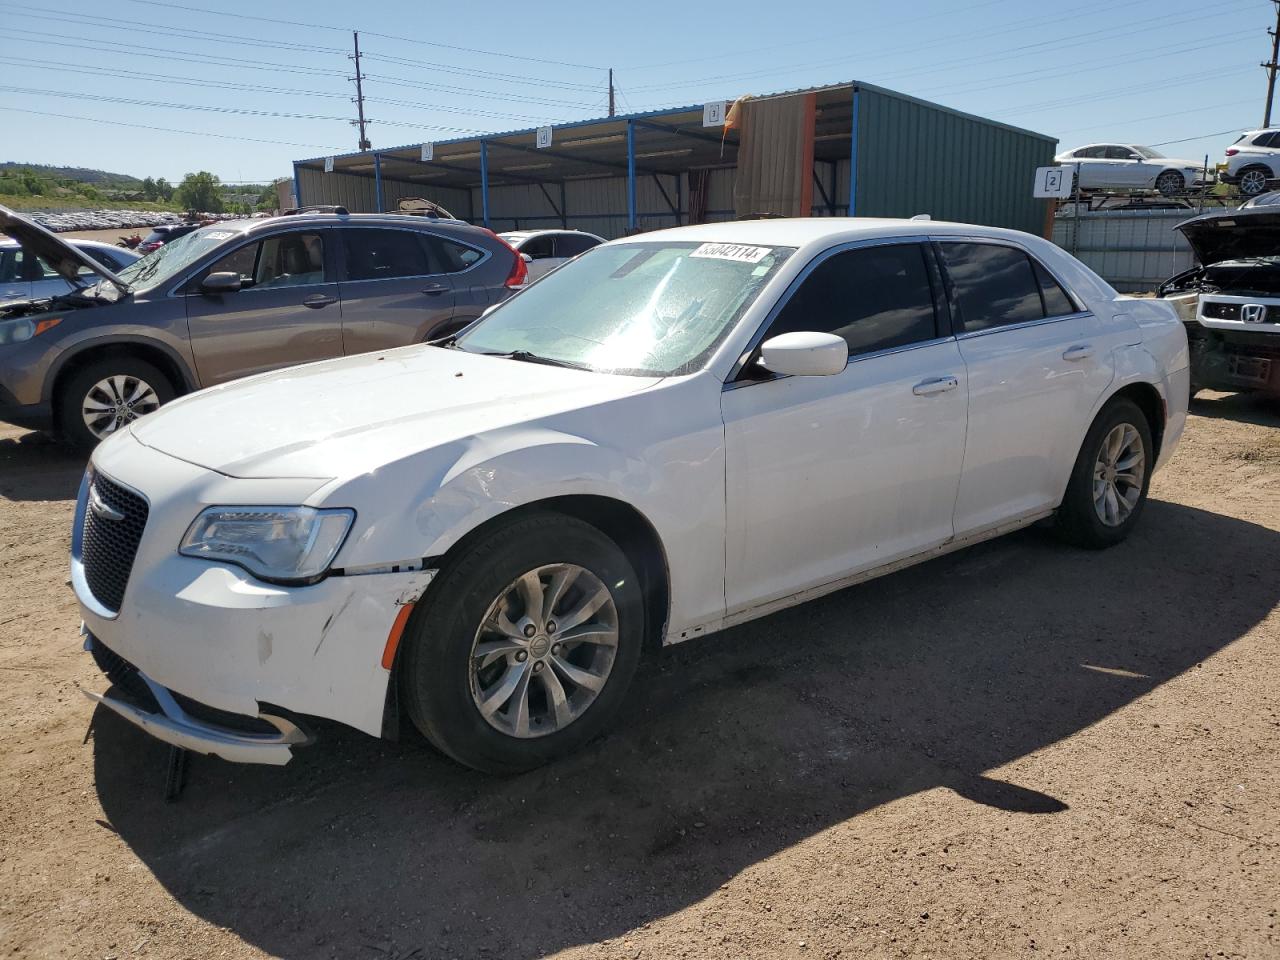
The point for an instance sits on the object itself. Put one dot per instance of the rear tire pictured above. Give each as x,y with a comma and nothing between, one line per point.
487,674
1253,180
106,395
1109,482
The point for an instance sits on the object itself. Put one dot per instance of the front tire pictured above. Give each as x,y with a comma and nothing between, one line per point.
525,645
1109,482
106,395
1170,183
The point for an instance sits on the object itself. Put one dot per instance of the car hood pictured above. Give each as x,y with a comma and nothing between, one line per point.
1233,235
345,417
62,256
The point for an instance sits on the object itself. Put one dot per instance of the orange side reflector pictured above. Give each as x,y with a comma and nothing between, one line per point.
393,638
44,325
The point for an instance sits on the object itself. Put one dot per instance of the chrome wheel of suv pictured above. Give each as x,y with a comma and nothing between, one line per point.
115,401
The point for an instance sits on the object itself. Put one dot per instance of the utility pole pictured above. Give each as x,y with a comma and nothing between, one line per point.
359,97
612,111
1272,65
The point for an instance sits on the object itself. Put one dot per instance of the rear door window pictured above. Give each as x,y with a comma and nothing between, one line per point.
1056,301
875,297
384,254
572,244
993,285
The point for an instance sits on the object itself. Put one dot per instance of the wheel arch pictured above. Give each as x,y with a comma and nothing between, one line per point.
621,522
1150,402
163,358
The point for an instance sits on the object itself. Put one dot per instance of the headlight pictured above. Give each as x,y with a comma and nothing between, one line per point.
279,544
23,329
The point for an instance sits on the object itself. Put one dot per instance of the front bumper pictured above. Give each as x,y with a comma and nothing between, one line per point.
212,633
1234,361
173,725
36,416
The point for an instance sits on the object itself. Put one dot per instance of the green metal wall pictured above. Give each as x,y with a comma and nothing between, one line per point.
916,157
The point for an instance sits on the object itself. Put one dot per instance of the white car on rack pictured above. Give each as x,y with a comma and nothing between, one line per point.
1127,166
675,433
544,250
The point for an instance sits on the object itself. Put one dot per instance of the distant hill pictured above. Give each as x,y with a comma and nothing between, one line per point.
99,178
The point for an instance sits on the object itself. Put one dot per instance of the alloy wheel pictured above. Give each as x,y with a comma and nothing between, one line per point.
1253,182
115,401
1118,473
1169,183
544,650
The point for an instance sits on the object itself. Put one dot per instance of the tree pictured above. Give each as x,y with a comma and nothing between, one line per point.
200,191
164,189
149,189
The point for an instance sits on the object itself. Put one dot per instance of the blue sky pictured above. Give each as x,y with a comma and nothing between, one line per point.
1144,71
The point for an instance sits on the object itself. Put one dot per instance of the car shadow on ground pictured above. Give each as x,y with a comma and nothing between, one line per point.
730,749
1246,407
35,466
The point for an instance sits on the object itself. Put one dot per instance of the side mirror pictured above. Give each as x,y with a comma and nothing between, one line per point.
1135,156
805,354
526,258
223,282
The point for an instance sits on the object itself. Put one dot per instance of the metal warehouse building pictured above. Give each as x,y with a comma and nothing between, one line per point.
853,149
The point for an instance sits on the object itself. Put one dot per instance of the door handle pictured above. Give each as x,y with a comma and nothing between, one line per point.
435,289
1081,351
928,388
318,300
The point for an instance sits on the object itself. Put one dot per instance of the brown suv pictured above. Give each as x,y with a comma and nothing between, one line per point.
234,299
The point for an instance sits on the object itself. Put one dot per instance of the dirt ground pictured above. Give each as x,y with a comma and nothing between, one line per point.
1020,749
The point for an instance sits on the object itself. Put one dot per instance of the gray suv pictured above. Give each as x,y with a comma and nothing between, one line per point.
234,299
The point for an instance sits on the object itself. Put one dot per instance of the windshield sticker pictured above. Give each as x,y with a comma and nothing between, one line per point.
219,235
732,251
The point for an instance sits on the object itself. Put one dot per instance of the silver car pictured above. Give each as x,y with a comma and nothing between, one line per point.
230,300
27,277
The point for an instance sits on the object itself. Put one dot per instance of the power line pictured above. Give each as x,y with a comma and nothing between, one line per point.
487,74
144,126
240,111
1203,136
383,36
480,94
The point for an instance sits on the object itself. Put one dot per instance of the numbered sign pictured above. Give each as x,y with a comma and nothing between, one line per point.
544,137
328,164
1052,182
714,113
428,151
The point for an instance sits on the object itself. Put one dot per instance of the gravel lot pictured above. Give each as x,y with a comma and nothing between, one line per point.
1020,748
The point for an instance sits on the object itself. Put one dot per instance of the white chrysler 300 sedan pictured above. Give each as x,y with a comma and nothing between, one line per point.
675,433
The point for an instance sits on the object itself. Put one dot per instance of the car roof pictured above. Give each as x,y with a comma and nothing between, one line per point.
806,231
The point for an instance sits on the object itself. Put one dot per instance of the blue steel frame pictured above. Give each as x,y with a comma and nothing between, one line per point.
377,181
297,188
853,156
484,182
631,175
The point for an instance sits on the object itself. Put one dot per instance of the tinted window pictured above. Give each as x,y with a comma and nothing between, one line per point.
450,257
290,260
383,254
876,298
1056,301
1266,140
993,285
539,248
104,258
1092,153
572,244
1119,153
11,266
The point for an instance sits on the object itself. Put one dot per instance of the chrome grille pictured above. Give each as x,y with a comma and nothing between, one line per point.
114,519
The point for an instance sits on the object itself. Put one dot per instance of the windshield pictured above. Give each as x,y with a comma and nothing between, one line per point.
1148,153
646,309
164,263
